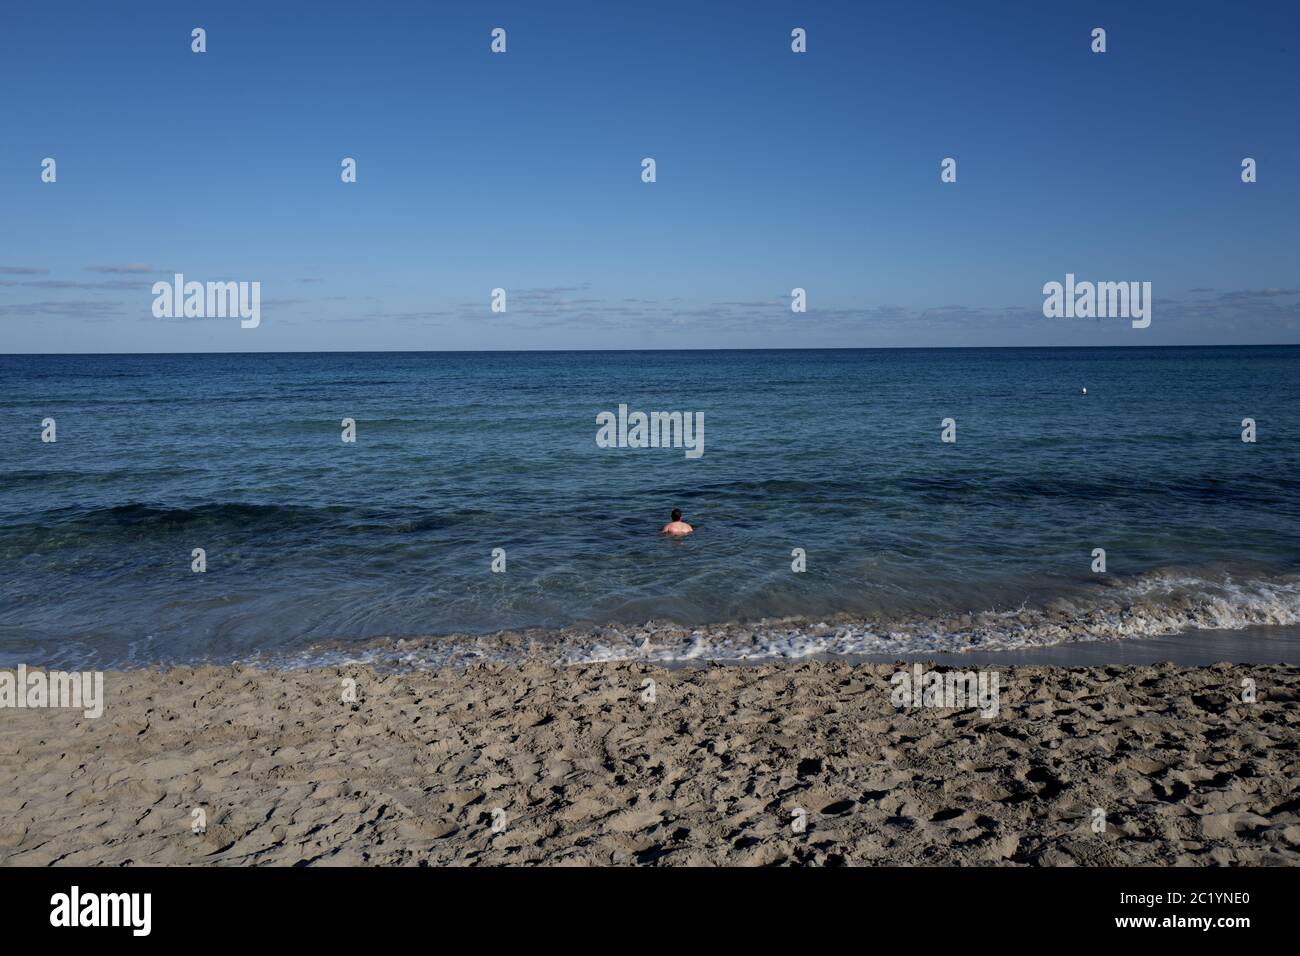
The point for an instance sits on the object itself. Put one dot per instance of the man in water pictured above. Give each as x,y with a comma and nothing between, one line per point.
677,527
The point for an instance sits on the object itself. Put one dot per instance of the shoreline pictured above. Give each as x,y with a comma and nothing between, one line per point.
782,641
1193,647
1182,615
574,766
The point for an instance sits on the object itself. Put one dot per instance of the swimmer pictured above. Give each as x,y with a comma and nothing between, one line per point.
677,527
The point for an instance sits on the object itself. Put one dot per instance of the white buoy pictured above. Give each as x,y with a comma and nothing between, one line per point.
1085,391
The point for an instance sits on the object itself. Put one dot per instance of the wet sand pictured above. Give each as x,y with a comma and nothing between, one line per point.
534,764
1193,648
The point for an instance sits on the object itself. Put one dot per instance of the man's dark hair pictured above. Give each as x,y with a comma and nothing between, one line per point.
677,514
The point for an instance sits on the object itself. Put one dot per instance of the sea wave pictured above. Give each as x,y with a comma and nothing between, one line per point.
1156,604
140,516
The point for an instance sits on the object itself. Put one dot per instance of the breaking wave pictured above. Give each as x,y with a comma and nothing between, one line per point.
1156,604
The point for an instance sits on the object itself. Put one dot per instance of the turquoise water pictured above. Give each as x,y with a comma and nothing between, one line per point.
313,542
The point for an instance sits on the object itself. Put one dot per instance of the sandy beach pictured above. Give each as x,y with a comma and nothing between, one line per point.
780,763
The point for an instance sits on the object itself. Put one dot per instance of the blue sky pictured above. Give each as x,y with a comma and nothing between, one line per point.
522,171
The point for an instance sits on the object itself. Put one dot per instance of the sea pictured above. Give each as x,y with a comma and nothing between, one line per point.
475,517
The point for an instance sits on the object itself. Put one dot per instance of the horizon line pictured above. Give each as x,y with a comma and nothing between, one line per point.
827,348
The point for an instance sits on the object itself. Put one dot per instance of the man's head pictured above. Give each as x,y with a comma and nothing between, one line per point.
677,514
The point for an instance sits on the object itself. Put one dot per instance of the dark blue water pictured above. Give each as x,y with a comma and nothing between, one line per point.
310,540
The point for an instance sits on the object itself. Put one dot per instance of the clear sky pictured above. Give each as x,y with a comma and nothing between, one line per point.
523,171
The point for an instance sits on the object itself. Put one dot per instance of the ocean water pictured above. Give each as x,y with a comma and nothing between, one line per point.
383,548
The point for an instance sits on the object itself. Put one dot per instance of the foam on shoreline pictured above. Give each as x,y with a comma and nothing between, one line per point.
1149,606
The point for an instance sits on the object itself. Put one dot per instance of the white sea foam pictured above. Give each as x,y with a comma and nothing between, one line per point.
1159,604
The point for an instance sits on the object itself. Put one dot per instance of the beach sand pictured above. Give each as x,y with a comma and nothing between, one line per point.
519,764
